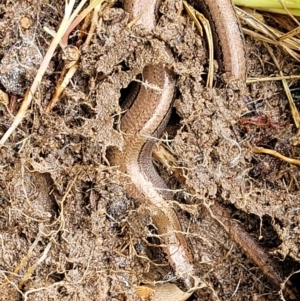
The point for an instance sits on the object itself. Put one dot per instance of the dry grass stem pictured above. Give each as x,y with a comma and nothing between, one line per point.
23,262
294,110
31,269
251,80
69,22
68,72
287,42
268,34
61,86
75,21
262,150
31,91
196,17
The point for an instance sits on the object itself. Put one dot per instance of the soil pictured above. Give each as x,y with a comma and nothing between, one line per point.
67,229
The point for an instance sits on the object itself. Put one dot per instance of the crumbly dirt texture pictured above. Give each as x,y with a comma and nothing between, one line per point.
67,229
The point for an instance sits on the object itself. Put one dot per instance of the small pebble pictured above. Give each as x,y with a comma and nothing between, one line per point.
25,22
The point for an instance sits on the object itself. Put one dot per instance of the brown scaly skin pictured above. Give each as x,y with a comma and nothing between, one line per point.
148,116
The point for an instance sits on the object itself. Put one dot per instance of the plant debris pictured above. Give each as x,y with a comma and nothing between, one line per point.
68,230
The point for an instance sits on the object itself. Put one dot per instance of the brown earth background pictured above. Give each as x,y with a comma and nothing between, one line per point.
67,229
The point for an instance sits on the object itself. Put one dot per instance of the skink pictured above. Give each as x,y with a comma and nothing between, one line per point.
146,120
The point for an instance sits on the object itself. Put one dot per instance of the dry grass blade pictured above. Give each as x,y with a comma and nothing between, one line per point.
290,45
61,87
268,79
196,17
69,71
290,34
31,91
79,18
293,107
68,23
23,262
32,268
268,34
261,37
